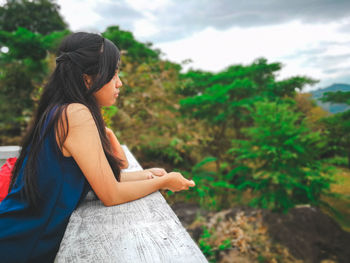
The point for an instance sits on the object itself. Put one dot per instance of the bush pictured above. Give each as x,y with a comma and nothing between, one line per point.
280,160
212,188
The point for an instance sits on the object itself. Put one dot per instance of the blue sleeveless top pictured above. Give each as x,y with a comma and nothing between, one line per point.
35,237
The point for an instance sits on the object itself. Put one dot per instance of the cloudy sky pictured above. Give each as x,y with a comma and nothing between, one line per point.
310,37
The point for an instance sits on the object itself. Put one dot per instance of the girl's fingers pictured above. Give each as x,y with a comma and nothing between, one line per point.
149,175
192,183
158,171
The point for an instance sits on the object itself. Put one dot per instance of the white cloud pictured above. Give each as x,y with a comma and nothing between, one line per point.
214,50
144,28
146,5
80,15
317,49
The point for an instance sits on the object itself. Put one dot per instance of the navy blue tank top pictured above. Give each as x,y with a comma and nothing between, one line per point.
35,237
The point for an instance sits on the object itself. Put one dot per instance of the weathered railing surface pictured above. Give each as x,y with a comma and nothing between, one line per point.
145,230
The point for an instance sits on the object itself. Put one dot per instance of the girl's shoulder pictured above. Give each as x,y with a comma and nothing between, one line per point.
77,108
77,114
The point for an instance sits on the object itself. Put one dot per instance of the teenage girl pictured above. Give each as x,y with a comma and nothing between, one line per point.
68,151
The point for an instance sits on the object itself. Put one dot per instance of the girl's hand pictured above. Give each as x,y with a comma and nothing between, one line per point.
157,171
176,182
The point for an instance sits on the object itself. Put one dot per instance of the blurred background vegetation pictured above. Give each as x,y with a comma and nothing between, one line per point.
244,137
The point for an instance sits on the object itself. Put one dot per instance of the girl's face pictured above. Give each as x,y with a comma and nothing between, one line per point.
107,95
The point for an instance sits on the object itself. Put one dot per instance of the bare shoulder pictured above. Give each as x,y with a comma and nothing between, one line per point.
75,109
78,113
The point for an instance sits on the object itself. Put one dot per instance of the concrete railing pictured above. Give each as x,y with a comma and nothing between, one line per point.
144,230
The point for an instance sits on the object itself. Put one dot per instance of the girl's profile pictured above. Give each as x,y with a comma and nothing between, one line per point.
68,151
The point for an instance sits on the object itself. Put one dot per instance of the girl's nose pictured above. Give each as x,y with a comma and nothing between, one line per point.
119,83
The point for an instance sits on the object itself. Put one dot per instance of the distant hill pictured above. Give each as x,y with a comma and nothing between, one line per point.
332,108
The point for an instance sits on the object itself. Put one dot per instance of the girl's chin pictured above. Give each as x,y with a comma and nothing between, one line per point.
107,104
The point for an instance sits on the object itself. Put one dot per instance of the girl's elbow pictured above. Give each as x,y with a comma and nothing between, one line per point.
115,197
107,203
109,199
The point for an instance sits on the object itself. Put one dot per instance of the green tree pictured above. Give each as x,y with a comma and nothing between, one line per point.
194,82
338,125
23,70
16,103
223,101
279,160
134,49
38,16
29,30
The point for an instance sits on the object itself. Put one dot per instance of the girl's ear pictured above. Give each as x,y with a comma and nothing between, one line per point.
87,80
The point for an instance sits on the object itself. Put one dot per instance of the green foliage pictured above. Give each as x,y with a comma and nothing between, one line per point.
337,136
336,97
209,250
194,82
52,41
205,246
228,95
25,66
337,126
331,107
224,101
279,161
337,161
38,16
157,150
23,44
212,188
108,113
125,40
15,100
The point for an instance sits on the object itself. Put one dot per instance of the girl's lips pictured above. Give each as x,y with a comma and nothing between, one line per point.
117,93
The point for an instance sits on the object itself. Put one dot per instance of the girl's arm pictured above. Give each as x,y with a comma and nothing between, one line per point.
117,148
136,176
130,176
84,144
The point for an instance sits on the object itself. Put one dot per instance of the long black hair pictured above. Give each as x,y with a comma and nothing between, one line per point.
79,54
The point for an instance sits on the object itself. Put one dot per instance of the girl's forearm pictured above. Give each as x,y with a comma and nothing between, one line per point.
135,176
122,192
129,191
